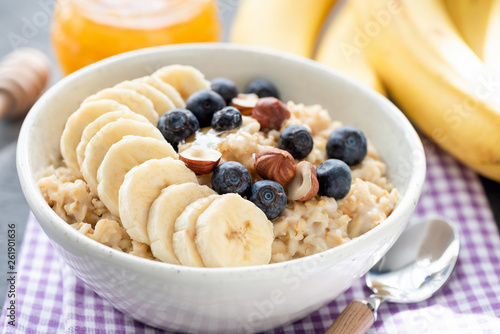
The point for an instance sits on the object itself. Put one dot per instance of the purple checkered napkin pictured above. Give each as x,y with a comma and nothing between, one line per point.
50,299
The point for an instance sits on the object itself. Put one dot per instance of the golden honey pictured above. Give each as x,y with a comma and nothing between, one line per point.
85,31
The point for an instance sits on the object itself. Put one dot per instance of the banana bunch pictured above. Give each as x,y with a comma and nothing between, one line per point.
437,59
295,26
112,142
471,19
337,49
286,25
436,78
478,22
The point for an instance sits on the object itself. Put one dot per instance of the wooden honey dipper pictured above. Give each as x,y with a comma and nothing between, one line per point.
24,74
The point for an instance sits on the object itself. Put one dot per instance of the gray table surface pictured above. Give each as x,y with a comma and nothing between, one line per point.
13,207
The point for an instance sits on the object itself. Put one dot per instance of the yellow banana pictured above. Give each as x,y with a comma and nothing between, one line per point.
471,19
479,24
337,49
286,25
492,37
436,78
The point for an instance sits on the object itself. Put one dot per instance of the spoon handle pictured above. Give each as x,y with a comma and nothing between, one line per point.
356,318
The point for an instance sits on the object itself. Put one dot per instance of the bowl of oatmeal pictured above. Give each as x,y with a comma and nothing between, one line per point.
240,222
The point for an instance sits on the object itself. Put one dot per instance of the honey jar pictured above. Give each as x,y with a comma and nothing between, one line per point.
85,31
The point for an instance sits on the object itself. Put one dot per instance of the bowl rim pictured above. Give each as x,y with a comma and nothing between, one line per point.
50,220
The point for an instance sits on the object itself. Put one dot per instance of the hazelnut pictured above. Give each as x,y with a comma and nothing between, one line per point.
270,113
245,103
275,164
304,185
200,160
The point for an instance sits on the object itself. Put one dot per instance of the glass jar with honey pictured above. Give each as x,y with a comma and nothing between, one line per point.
85,31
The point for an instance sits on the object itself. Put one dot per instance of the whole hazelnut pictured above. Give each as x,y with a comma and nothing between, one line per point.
270,113
275,164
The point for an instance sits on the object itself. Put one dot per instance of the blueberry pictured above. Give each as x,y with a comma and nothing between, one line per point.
203,104
270,197
297,140
177,124
334,177
226,119
231,177
262,88
225,88
348,144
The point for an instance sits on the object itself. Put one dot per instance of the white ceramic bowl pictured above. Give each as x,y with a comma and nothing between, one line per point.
227,300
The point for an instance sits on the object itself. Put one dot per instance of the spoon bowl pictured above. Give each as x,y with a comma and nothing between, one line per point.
418,264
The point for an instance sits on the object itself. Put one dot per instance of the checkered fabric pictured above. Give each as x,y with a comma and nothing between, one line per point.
50,299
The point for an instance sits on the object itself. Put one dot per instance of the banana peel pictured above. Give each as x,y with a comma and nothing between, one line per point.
337,50
441,85
285,25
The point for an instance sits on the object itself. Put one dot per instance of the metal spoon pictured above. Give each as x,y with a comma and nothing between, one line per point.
418,265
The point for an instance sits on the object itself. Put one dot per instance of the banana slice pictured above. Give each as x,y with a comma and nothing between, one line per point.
76,124
161,102
185,231
129,152
165,211
233,232
165,88
110,134
142,186
130,98
185,79
95,126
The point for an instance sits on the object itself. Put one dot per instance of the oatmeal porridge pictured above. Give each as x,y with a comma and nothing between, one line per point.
220,179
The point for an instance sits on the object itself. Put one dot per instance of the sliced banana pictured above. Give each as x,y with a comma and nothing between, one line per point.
95,126
161,102
185,231
142,186
130,98
76,124
110,134
165,88
185,79
164,212
233,232
129,152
